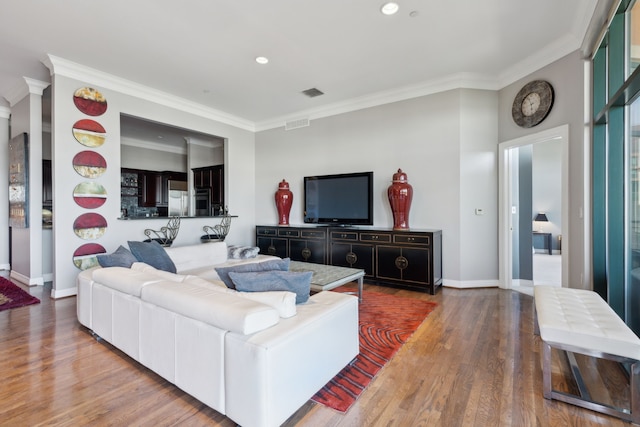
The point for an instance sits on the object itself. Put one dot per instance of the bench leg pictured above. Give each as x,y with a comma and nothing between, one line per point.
546,370
634,382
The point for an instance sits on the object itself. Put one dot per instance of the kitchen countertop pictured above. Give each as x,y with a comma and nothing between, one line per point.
135,218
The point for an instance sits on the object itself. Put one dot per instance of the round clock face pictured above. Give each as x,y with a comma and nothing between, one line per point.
532,104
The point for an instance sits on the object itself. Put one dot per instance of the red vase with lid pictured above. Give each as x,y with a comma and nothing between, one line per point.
400,194
284,200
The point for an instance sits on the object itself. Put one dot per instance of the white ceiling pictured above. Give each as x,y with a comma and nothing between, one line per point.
204,50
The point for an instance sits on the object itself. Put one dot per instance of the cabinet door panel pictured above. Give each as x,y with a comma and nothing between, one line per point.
386,264
417,269
269,246
354,256
307,250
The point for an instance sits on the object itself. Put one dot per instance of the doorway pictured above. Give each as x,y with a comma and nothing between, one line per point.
516,224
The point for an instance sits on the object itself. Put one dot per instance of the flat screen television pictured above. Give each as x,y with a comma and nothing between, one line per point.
344,199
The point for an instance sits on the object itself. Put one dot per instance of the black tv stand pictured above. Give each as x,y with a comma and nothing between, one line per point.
410,259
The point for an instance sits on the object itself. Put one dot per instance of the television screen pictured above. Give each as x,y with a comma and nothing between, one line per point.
343,199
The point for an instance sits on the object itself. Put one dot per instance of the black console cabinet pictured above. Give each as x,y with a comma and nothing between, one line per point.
409,259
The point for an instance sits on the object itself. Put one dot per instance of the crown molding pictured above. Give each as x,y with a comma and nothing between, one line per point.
80,72
5,113
456,81
26,87
147,145
549,54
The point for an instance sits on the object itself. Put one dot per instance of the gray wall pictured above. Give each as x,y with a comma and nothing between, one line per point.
567,77
445,142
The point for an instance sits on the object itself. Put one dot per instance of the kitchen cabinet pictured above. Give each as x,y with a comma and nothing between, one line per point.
211,177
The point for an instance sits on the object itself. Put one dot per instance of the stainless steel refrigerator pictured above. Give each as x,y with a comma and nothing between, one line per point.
178,198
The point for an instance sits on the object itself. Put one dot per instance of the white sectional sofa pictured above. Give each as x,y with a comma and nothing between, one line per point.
251,356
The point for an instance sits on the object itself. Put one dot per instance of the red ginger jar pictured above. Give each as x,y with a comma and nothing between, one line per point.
400,194
284,199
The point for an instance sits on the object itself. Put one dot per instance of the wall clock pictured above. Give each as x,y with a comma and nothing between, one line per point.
532,104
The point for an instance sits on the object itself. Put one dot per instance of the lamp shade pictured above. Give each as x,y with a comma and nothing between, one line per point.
541,217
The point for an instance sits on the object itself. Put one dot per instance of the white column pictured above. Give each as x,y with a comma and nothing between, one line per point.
5,114
26,245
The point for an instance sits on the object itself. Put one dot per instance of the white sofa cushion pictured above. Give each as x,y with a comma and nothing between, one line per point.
124,279
220,309
189,258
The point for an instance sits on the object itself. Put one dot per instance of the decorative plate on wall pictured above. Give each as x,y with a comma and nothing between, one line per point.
90,195
90,101
89,133
90,226
86,255
89,164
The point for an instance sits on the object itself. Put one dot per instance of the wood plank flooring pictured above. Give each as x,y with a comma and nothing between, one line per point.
475,361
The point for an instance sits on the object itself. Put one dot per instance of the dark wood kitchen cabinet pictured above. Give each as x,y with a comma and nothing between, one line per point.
212,178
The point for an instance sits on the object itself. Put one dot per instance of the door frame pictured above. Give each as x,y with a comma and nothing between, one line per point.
505,225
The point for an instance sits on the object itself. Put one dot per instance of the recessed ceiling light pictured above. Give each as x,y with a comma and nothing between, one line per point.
389,8
262,60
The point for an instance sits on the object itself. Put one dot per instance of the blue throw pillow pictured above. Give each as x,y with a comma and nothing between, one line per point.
275,280
122,257
153,254
275,264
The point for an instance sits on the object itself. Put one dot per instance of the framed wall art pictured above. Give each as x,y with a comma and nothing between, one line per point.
19,181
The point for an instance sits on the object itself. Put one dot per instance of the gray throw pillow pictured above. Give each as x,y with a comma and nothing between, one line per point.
242,252
275,280
122,257
274,264
153,254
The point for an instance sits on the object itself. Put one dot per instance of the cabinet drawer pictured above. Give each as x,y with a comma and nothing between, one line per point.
344,235
375,237
267,231
289,233
311,234
411,239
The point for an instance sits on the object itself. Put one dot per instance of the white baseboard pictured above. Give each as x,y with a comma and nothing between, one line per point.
469,284
5,267
63,293
48,277
521,282
29,281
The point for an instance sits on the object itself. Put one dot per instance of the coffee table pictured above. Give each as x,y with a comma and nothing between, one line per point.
327,277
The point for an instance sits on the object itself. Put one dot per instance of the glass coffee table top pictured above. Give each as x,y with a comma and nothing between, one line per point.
327,277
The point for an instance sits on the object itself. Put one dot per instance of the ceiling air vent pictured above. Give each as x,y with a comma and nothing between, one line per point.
295,124
313,92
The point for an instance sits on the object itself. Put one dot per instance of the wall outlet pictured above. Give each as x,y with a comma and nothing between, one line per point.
479,211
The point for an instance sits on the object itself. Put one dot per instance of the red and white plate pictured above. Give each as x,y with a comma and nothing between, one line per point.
89,133
90,226
86,255
90,195
90,101
89,164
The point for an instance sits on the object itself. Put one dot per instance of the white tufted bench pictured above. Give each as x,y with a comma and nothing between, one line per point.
580,321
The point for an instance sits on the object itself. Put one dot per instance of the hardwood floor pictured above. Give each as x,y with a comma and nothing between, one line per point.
474,362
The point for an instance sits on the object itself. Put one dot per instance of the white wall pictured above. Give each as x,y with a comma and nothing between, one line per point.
446,143
239,180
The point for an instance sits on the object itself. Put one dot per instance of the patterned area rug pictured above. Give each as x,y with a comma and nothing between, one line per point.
12,296
386,323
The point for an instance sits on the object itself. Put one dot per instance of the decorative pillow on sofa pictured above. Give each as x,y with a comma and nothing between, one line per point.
153,254
274,264
275,280
122,257
242,252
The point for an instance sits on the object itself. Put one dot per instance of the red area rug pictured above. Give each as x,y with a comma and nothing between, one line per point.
12,296
386,323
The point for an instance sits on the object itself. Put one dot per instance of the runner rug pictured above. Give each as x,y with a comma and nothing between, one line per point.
386,323
12,296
